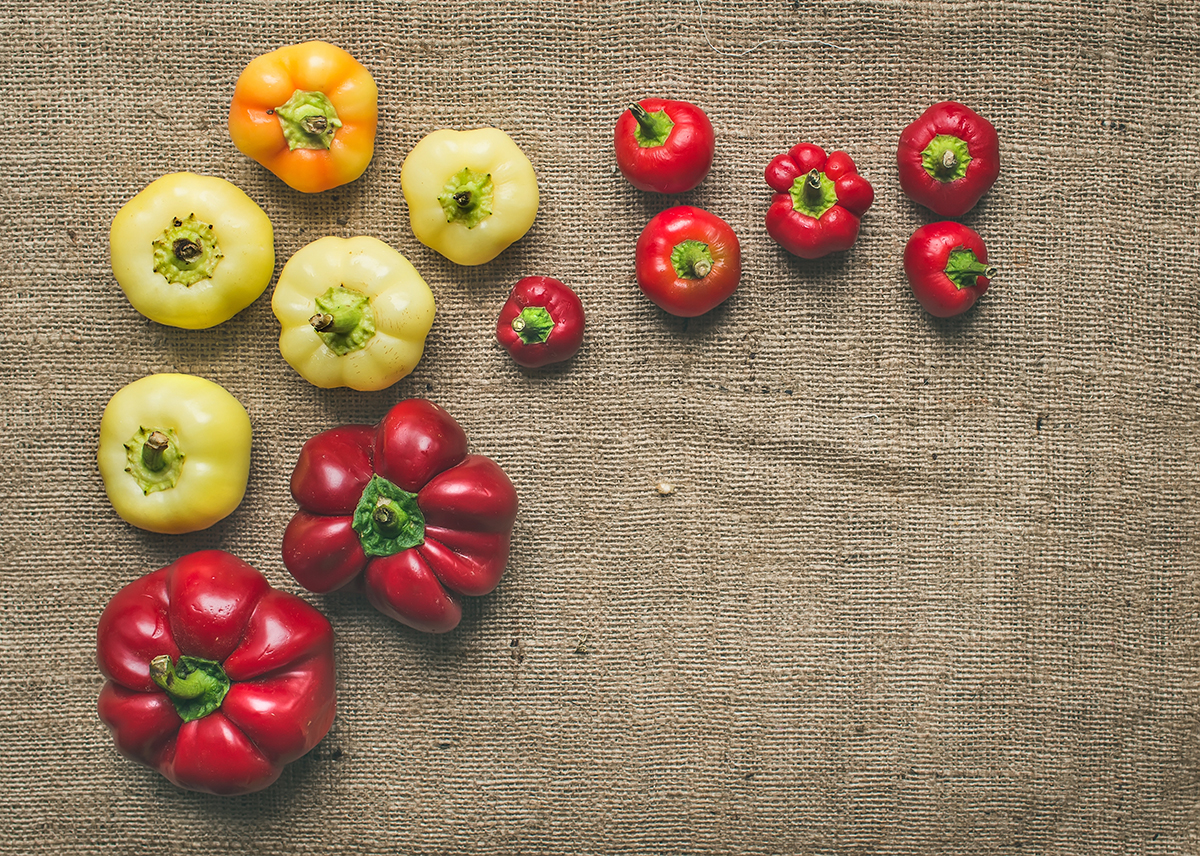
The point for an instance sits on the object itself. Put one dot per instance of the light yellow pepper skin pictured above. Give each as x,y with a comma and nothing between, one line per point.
470,194
192,251
354,313
199,477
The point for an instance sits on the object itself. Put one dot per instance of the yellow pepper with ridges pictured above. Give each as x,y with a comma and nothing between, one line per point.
192,250
470,194
174,453
354,313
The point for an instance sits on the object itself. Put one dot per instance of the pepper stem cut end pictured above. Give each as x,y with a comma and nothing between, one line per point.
308,120
692,260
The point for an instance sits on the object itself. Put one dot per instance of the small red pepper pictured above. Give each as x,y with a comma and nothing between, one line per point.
401,510
818,203
664,146
214,678
947,267
948,158
541,322
688,260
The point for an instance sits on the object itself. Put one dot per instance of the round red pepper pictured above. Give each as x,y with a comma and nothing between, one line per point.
541,322
664,146
214,678
403,512
947,267
688,261
818,203
948,158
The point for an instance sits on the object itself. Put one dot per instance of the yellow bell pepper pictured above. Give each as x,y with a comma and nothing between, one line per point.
174,453
470,194
308,113
354,313
192,250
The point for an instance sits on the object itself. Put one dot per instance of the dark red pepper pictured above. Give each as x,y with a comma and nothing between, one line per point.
948,158
214,678
403,512
688,260
819,201
664,146
541,322
947,267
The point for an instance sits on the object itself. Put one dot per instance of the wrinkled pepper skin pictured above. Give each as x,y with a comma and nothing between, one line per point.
947,268
274,650
308,113
541,322
948,158
664,146
819,201
404,513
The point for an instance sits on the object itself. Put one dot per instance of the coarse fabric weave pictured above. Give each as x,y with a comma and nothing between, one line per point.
923,586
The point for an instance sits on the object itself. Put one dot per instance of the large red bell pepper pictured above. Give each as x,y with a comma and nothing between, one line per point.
948,158
215,679
403,512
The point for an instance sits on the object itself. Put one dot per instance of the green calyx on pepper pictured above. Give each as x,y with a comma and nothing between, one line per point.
813,194
343,320
946,158
387,519
534,325
963,268
308,120
691,259
186,252
196,686
467,197
155,461
652,128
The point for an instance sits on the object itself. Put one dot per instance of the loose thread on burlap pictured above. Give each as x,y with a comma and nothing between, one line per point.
762,44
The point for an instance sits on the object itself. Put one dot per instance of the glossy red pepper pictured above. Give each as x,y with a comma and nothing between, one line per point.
401,510
688,260
541,322
947,267
819,201
664,146
215,679
948,158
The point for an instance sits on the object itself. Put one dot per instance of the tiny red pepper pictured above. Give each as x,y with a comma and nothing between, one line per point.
947,267
664,146
688,260
541,322
819,201
948,158
401,510
214,678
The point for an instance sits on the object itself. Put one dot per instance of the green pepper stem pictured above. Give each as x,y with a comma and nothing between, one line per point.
963,268
389,516
643,119
949,161
162,672
813,191
154,451
340,322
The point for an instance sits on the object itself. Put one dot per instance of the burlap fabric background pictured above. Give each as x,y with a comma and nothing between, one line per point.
924,587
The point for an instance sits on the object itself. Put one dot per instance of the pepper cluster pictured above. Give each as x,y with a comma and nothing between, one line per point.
215,678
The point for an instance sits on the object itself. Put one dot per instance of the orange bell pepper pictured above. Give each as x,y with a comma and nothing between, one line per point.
306,112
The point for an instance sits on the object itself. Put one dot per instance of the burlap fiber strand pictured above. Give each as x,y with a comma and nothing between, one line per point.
924,587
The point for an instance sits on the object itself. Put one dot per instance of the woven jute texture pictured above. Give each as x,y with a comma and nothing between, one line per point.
923,587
